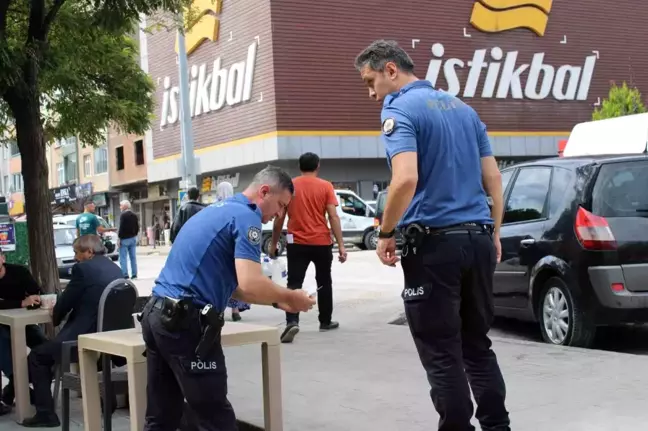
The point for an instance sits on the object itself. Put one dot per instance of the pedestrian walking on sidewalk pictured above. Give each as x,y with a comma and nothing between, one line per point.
186,211
309,240
127,233
441,162
216,256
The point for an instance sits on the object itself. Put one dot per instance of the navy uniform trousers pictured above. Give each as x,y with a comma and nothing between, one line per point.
176,375
448,300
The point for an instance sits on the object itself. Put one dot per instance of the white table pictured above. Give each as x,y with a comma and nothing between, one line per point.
130,344
17,320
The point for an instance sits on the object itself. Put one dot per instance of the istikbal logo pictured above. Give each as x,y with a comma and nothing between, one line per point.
209,90
503,70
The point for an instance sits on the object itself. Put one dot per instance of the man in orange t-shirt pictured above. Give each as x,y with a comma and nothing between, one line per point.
309,240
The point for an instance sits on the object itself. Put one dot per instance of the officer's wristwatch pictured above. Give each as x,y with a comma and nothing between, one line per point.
385,235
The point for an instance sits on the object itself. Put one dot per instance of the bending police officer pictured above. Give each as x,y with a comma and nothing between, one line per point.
216,256
441,161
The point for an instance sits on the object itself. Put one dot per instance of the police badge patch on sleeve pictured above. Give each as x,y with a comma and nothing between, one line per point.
254,235
388,126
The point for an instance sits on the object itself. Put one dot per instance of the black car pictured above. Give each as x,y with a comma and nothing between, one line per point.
575,245
381,201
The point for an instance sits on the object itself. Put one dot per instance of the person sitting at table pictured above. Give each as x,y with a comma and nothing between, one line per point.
90,276
18,289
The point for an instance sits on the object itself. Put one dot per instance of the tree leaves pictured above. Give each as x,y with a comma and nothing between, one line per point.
85,65
621,101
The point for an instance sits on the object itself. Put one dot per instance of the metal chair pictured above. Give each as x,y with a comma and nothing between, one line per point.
115,313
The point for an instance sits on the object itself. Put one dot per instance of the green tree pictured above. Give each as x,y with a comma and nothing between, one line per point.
68,68
621,101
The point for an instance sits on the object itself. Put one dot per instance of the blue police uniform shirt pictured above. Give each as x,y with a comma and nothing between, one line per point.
449,140
201,262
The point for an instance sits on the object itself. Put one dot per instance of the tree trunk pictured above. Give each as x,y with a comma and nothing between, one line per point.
29,131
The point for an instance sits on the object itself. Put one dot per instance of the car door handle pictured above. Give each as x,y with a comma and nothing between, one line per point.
527,242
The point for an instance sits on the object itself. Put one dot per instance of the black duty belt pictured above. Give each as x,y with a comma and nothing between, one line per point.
416,230
178,314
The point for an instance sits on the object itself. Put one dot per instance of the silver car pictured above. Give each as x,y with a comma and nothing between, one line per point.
64,237
70,221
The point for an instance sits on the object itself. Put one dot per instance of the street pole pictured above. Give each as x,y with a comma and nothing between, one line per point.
189,175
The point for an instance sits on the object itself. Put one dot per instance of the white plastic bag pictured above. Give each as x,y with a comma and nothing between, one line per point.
279,272
266,268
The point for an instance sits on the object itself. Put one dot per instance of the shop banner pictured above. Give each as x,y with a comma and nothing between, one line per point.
7,237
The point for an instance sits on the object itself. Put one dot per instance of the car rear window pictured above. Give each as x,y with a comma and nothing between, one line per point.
621,190
380,202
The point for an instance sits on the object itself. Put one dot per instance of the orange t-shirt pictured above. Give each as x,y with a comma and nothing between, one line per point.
307,211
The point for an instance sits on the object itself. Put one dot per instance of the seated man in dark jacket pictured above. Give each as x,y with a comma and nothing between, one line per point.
186,211
18,289
80,300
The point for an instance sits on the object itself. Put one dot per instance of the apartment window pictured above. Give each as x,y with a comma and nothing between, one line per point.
87,165
60,173
139,152
14,148
101,160
70,166
17,182
72,140
7,187
119,157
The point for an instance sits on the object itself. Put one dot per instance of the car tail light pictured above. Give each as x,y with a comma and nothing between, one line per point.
617,287
376,222
593,232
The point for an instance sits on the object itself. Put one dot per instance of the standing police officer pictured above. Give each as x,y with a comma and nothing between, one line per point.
216,256
441,161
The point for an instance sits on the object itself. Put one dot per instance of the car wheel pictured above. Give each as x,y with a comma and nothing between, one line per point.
371,240
563,321
281,245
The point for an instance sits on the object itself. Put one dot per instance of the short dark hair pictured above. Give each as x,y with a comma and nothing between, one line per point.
309,162
193,193
275,177
381,52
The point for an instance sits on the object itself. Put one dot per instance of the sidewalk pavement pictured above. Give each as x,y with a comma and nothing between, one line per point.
147,250
367,376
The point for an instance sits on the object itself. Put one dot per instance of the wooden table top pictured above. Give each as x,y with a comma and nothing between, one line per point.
130,343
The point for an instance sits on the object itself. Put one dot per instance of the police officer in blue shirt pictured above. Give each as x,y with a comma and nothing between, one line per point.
216,256
441,162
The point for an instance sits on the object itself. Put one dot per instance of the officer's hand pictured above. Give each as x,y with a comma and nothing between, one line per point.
272,253
342,254
299,301
498,247
386,251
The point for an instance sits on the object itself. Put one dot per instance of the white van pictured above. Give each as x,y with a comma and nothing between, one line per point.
356,218
621,135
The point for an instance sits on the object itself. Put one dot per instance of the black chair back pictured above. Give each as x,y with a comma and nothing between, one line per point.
116,306
140,303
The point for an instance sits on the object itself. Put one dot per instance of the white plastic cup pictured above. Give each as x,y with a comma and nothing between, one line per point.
48,301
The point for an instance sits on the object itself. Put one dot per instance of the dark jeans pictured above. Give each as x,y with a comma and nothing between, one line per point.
41,361
174,374
299,257
448,300
35,337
